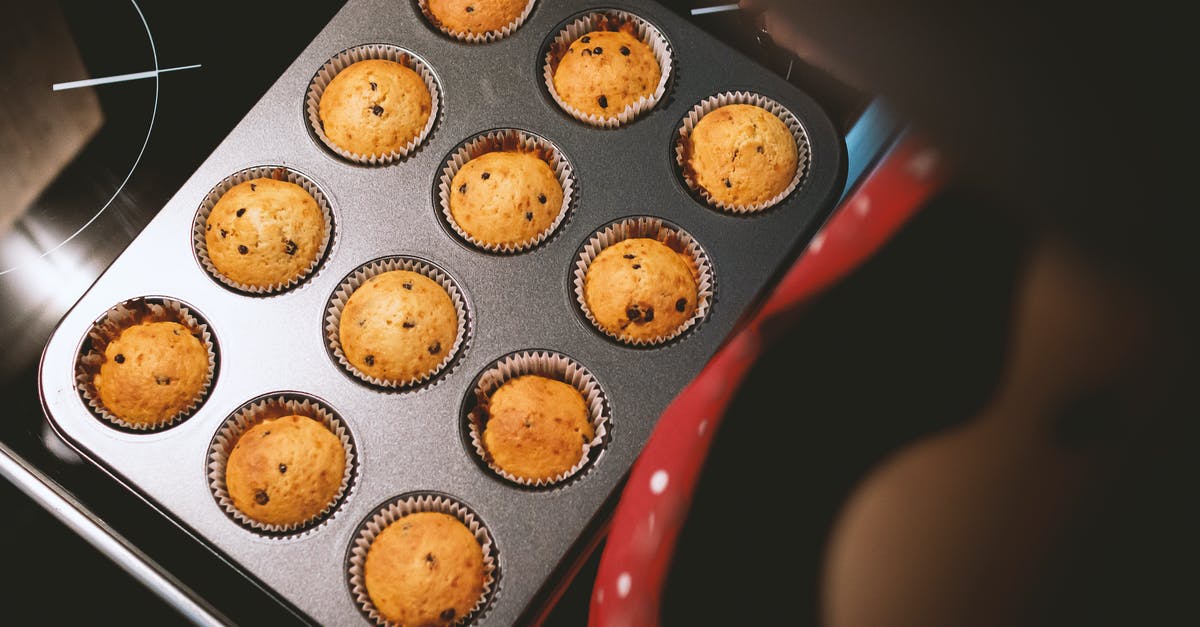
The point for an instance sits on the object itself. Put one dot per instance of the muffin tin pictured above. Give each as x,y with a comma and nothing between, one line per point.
414,440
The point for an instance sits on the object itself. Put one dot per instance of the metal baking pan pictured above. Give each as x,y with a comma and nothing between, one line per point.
413,440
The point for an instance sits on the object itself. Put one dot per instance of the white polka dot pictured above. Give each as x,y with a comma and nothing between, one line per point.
624,582
817,243
600,595
862,205
922,164
658,481
702,428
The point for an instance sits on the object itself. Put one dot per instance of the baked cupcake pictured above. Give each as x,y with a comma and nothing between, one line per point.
264,233
151,372
742,154
639,288
603,72
536,427
285,471
474,17
425,568
505,197
398,327
375,107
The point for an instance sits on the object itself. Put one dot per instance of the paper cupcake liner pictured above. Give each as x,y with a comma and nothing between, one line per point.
675,238
350,56
611,20
412,504
552,366
255,412
477,38
507,139
703,108
279,173
109,326
337,302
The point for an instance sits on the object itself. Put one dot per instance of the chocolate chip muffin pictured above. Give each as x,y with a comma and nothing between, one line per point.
151,372
505,197
375,107
475,17
742,154
285,471
265,232
603,72
641,289
398,326
536,427
425,569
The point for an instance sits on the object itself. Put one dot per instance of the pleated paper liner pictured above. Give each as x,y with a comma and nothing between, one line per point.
251,414
109,327
477,38
554,366
506,140
414,503
673,237
337,302
279,173
350,56
683,147
611,20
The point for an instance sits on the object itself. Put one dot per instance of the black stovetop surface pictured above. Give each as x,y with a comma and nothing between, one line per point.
153,135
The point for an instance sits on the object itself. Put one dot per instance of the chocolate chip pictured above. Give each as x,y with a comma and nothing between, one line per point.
175,331
290,247
241,212
603,100
408,324
260,497
462,189
629,256
162,380
377,110
542,198
224,233
633,313
435,348
529,216
680,305
373,85
586,39
407,286
120,359
637,266
649,314
728,184
759,149
242,249
282,468
485,176
362,323
586,51
254,187
470,9
208,227
625,50
447,614
370,360
597,50
430,559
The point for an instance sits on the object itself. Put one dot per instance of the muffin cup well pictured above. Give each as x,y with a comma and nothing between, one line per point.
411,504
478,38
350,56
252,414
109,327
551,365
337,302
706,106
611,20
279,173
675,238
499,140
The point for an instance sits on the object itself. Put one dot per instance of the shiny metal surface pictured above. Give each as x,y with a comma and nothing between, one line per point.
413,440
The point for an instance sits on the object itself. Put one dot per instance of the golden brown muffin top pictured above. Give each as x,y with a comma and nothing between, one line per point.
536,427
641,289
603,72
505,197
476,17
375,107
742,154
151,372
